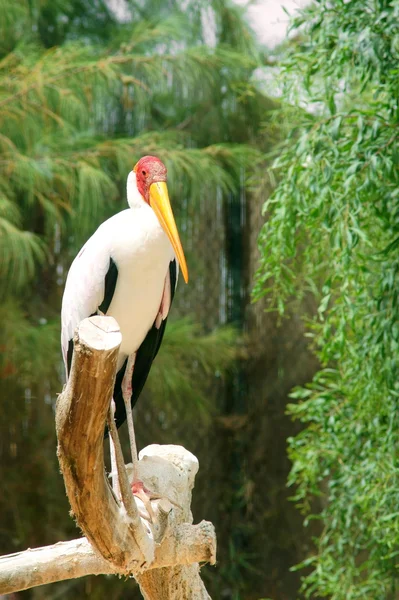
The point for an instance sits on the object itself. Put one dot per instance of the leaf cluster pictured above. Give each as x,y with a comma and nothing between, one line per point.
332,231
79,104
84,94
75,118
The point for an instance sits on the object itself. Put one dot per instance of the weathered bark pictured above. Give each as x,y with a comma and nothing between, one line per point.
70,560
118,540
176,471
80,421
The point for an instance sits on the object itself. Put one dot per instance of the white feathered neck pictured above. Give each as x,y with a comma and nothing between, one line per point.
134,198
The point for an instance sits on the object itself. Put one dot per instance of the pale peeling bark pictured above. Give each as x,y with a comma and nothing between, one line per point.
164,558
80,421
70,560
176,467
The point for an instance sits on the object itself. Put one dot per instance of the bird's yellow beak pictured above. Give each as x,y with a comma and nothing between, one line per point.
159,202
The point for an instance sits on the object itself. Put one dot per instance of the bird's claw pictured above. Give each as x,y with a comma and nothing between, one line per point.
157,516
140,491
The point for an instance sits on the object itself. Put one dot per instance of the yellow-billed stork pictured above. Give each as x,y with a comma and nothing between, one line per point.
128,269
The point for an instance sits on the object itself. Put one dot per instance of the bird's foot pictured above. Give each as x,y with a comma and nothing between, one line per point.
146,496
156,514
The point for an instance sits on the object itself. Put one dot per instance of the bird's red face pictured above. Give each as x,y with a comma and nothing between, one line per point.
151,176
149,170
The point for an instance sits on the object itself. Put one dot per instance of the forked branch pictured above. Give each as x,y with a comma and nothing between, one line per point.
117,541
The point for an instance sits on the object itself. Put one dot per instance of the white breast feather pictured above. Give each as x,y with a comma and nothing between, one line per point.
142,253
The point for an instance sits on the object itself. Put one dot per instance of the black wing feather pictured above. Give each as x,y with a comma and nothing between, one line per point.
109,288
144,357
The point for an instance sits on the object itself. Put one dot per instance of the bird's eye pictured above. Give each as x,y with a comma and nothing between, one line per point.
143,172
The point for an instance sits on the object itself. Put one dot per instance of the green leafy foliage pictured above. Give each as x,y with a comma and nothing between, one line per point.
82,97
188,361
74,118
332,232
64,159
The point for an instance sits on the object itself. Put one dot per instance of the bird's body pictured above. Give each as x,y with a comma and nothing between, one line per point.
141,253
128,270
142,269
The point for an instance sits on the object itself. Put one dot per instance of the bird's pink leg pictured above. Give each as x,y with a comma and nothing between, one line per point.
127,398
138,487
114,468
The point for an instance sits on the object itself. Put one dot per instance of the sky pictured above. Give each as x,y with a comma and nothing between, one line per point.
269,20
267,17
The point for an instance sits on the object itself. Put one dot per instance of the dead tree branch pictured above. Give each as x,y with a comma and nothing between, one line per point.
70,560
117,540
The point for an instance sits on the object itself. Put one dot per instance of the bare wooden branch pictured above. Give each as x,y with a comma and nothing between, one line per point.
115,530
171,470
80,421
70,560
117,540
